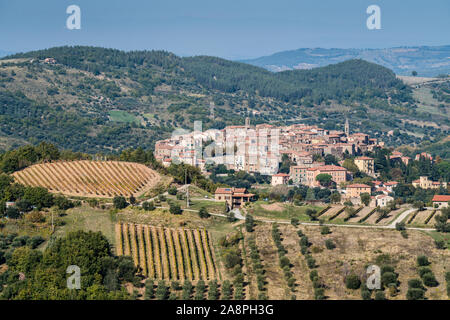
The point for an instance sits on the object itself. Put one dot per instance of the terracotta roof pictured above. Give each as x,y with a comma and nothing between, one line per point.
358,185
364,158
328,168
441,198
281,175
390,183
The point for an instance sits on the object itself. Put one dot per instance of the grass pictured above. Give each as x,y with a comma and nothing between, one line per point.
439,236
122,116
88,219
288,211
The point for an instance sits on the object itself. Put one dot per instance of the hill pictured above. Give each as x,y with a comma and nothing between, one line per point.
90,178
105,100
427,61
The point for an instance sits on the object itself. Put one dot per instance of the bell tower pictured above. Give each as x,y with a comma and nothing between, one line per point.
347,127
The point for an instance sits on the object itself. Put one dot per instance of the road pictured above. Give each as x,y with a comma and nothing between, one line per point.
240,216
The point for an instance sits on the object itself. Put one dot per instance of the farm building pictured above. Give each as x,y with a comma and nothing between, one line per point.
441,201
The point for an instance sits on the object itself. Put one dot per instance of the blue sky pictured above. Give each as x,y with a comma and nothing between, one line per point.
227,28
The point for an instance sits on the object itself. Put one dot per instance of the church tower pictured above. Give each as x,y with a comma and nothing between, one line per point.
347,127
247,122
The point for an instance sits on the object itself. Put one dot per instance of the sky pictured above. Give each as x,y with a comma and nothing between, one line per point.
232,29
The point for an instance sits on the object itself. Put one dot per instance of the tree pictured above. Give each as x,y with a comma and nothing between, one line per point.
419,205
249,223
175,208
422,261
148,206
414,73
120,202
13,213
324,179
203,213
311,213
365,198
352,281
415,294
172,190
335,197
132,200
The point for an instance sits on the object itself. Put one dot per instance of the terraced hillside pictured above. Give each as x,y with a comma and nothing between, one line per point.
86,178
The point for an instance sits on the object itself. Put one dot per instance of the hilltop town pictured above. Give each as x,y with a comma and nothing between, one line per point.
315,157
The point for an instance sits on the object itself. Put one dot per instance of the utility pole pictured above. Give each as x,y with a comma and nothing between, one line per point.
187,187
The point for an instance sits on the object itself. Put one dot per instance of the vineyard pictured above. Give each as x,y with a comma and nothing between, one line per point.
90,178
168,253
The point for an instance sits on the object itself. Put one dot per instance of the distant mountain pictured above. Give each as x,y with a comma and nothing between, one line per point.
427,61
5,53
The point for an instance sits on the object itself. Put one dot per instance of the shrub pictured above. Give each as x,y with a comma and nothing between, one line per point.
379,295
319,293
120,202
430,280
148,206
325,230
399,226
203,213
311,262
366,294
175,209
415,283
424,270
313,275
172,190
330,244
226,290
422,261
294,221
415,294
35,216
440,244
387,268
388,277
284,261
352,281
300,233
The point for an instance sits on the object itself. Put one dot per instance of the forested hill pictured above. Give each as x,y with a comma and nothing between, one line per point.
95,99
343,80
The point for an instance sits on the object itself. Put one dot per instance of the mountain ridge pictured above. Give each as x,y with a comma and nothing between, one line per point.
425,60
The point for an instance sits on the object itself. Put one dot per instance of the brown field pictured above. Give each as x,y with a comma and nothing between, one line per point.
102,179
331,212
422,216
273,207
354,250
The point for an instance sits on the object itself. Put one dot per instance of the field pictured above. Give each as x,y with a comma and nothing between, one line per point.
168,253
103,179
122,116
281,210
354,251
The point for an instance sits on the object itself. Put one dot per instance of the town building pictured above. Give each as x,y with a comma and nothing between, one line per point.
366,165
280,178
382,200
338,174
424,183
355,190
234,197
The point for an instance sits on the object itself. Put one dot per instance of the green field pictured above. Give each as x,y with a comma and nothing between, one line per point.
87,219
122,116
